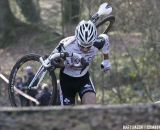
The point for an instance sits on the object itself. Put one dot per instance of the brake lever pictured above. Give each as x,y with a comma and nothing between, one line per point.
57,62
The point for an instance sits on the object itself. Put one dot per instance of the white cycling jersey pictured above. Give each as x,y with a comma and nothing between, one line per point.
72,67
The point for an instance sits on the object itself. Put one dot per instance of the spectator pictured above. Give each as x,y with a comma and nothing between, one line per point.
28,78
19,85
44,96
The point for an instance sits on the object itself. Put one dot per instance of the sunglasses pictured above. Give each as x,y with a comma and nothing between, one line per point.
83,47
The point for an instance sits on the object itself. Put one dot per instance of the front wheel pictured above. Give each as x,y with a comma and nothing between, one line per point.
21,76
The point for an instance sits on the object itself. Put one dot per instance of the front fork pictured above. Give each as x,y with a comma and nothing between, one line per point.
40,74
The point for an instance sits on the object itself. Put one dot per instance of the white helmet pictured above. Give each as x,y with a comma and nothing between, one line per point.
86,33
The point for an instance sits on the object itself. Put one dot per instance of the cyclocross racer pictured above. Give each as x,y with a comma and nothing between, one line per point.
87,43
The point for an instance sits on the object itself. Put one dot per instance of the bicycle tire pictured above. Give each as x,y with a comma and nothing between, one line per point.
110,19
12,78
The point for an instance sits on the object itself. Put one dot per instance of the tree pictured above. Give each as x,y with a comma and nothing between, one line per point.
30,10
70,15
7,22
71,11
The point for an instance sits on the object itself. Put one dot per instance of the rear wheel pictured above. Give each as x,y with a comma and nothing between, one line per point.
18,78
104,25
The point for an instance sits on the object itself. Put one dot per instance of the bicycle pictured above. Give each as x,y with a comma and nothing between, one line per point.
44,66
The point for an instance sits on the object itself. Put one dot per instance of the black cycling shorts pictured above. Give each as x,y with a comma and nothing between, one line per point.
72,85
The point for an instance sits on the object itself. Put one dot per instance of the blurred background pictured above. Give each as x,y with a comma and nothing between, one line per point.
36,26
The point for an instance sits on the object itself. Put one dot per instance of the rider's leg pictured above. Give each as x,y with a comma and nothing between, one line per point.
68,90
87,92
89,98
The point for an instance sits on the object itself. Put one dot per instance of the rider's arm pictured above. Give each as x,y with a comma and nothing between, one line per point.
105,51
105,56
105,48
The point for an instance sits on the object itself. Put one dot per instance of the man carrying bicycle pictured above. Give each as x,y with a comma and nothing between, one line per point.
87,43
